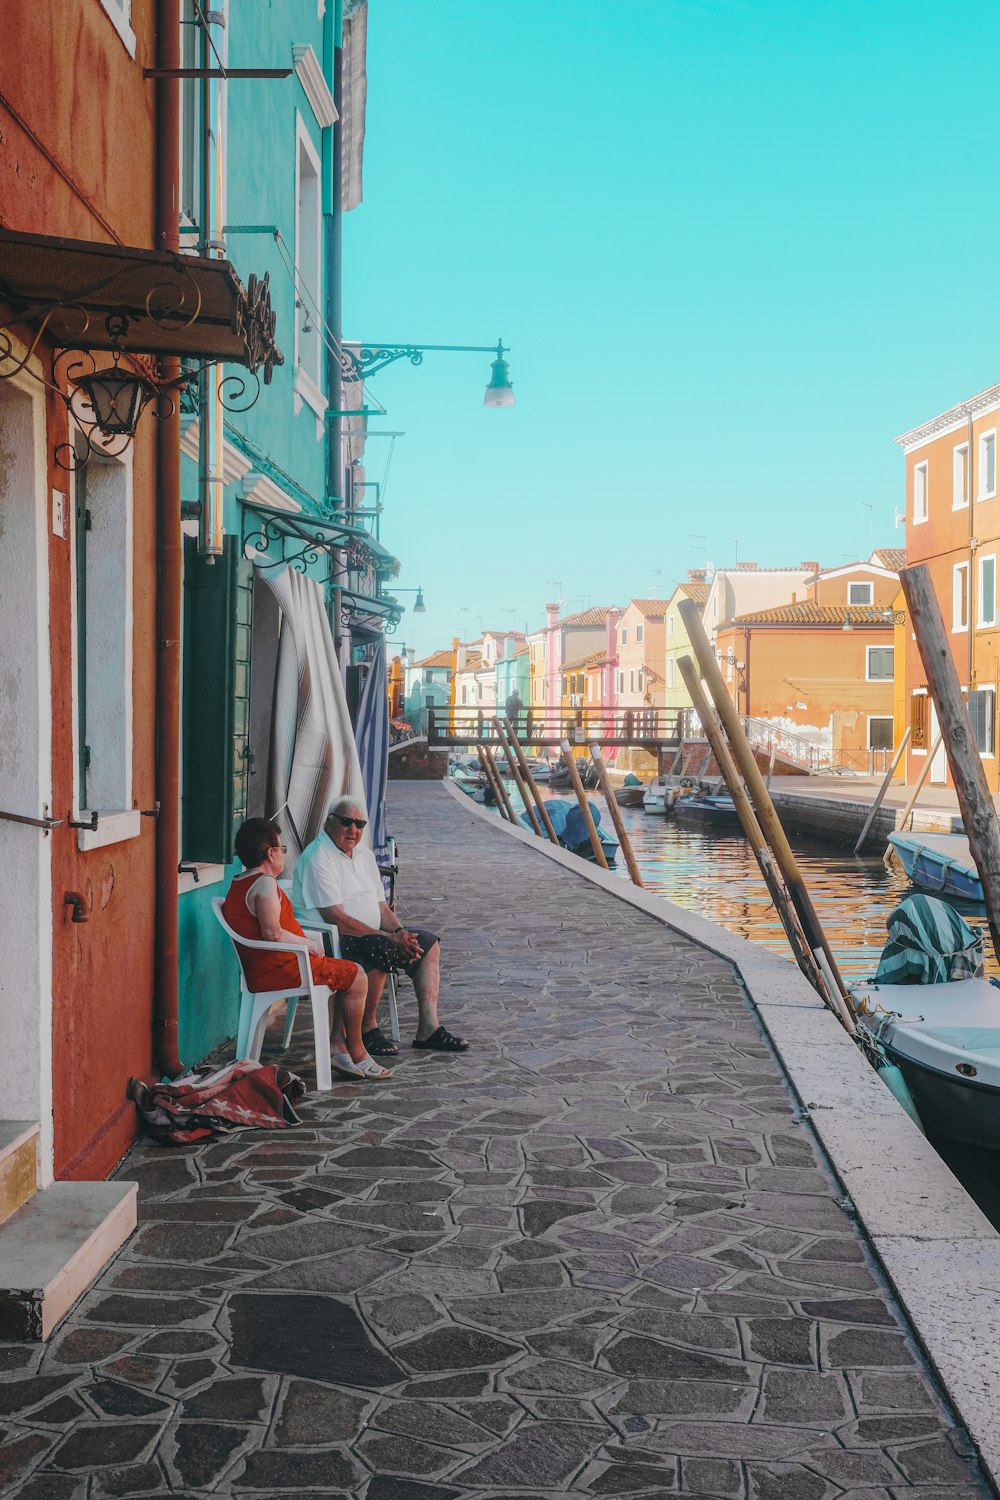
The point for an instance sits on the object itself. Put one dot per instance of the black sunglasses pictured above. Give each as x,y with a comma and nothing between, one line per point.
351,822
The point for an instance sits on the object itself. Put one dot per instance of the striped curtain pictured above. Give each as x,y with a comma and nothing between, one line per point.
373,747
314,759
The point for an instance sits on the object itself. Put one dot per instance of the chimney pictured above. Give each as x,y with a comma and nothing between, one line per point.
460,654
697,575
810,567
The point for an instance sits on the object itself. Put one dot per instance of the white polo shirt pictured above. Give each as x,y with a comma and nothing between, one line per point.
326,876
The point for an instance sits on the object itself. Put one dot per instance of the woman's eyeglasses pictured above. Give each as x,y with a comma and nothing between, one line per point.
282,847
351,822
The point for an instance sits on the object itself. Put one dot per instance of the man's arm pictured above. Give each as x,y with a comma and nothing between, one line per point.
349,926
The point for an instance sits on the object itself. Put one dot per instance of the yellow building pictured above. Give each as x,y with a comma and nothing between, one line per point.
675,694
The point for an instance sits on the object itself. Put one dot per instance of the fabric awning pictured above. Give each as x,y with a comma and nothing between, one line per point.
175,304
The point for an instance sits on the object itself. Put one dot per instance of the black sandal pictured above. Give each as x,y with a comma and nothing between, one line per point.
442,1041
377,1044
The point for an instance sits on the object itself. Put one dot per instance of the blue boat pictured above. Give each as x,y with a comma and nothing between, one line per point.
714,811
939,862
570,829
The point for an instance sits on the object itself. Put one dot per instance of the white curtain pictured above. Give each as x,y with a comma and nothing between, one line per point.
314,758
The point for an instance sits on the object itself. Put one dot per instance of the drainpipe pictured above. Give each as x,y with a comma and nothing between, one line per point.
970,592
211,479
168,592
746,670
333,186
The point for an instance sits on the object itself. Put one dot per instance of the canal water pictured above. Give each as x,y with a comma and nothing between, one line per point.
716,875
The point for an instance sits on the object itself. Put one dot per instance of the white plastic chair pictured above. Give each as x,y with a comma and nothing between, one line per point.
254,1007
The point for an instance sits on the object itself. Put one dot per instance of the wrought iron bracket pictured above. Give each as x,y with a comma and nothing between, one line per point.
90,824
192,870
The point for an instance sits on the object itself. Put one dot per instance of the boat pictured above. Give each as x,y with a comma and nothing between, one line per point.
631,792
939,862
716,811
540,769
570,829
657,795
943,1034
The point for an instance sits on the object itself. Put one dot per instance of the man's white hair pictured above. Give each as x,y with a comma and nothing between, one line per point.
343,803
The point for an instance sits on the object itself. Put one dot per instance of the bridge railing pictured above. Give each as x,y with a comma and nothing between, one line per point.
547,727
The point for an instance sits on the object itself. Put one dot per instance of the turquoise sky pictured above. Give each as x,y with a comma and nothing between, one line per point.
736,247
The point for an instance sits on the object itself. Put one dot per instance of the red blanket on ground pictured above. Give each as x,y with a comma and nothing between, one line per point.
242,1096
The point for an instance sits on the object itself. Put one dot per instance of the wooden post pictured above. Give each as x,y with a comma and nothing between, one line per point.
495,784
509,736
881,792
615,811
581,797
770,764
515,771
767,817
974,799
752,829
928,762
501,789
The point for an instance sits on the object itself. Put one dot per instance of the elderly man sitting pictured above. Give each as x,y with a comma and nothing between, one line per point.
337,880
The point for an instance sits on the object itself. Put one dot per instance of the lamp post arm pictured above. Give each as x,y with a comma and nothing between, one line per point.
373,355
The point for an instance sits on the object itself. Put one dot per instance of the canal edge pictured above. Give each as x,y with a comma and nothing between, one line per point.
947,1281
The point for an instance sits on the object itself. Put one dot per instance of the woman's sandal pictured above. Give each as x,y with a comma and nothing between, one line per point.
378,1044
373,1072
442,1041
343,1063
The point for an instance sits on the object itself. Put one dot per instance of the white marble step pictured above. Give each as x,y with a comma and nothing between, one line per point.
18,1164
54,1247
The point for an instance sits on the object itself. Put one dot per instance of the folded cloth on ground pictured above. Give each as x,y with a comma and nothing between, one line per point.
206,1102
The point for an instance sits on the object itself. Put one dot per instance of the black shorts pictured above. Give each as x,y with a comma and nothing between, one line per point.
376,951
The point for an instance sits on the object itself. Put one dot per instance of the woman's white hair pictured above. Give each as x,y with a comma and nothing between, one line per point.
343,803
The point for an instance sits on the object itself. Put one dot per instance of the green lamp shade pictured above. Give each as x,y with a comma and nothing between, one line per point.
499,392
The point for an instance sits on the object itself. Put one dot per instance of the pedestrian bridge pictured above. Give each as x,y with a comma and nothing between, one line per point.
546,728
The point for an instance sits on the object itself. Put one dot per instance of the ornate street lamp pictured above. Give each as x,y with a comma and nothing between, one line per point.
499,392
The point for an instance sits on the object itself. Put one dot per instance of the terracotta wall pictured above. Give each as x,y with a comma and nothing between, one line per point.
76,160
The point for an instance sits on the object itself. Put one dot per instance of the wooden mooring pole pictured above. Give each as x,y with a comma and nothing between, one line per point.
616,816
510,737
581,797
837,994
496,786
974,799
515,771
881,792
755,834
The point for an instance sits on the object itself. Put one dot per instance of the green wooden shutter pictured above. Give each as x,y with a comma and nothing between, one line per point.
216,751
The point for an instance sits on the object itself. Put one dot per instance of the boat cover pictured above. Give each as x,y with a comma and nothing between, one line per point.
929,943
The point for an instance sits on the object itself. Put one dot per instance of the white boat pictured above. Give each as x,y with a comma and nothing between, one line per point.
945,1040
658,796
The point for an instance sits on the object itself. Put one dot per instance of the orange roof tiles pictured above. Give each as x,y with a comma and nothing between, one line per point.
584,661
436,659
595,616
808,613
650,606
696,591
893,558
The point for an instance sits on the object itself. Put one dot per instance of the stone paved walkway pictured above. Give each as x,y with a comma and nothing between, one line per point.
596,1256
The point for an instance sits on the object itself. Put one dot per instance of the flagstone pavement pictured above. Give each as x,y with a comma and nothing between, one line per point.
597,1255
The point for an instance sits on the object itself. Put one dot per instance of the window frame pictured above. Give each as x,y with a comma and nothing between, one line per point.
960,451
638,635
880,719
869,677
959,626
990,436
988,751
981,622
308,377
921,491
861,583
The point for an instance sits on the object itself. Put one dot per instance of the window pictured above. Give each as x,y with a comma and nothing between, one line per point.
983,716
920,492
103,557
670,671
624,635
879,663
880,733
428,674
987,465
918,721
308,276
670,624
190,183
987,610
640,679
465,694
960,476
631,679
860,593
960,597
638,632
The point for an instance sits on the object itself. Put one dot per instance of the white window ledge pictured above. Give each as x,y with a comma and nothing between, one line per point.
119,13
112,828
207,875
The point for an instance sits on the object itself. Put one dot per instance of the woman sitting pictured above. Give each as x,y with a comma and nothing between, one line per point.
257,908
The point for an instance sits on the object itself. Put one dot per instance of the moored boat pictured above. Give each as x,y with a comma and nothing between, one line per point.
939,862
714,811
570,829
631,792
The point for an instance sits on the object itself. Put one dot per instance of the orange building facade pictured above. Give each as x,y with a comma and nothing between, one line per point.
822,667
953,527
